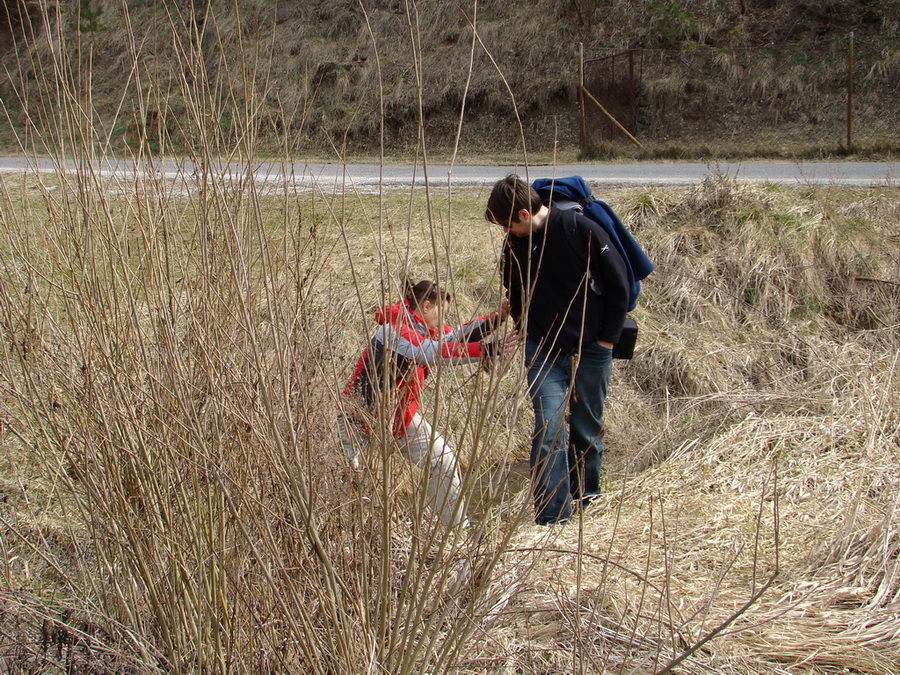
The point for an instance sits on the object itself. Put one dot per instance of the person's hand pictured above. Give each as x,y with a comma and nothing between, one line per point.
504,309
500,351
509,343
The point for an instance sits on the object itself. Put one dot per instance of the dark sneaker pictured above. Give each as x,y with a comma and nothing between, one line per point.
588,500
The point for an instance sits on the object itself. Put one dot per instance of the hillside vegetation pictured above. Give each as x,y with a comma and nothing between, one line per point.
325,75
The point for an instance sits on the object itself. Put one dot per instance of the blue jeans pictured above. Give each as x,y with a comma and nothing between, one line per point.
565,459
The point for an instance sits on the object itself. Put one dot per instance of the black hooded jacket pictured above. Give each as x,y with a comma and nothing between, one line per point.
570,279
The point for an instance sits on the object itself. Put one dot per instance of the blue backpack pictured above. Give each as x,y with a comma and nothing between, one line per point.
574,193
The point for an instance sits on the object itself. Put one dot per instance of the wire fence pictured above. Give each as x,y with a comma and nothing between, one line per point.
835,97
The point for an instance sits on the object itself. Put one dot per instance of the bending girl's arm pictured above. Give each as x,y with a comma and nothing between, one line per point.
407,343
474,330
479,328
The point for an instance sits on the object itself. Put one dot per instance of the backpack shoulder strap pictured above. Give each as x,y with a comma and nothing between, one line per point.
576,237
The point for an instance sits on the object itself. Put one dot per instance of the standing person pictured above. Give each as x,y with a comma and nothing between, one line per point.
390,376
568,290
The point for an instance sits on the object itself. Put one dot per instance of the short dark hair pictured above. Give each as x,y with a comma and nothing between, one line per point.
509,196
417,293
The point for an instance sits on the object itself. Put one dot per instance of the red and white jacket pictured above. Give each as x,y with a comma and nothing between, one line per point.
401,352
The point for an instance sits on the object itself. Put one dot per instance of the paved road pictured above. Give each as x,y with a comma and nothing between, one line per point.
369,177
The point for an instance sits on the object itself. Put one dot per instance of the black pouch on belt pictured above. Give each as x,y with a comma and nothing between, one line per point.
624,348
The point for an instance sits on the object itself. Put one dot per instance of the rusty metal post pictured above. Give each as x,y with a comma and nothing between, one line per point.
581,103
850,96
632,92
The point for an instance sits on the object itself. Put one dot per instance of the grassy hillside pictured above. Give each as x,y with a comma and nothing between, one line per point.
345,74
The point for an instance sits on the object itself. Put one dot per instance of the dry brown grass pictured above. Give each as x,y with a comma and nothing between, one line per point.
173,497
752,453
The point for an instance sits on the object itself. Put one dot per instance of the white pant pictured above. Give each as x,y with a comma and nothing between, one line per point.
428,450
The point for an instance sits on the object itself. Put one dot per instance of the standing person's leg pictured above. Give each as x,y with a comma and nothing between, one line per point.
428,450
548,385
586,420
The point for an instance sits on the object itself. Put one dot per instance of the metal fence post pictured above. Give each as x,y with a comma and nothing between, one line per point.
581,128
850,96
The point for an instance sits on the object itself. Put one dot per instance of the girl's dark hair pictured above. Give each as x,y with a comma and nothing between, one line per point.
416,294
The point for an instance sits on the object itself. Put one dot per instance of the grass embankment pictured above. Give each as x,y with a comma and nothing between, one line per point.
709,80
173,497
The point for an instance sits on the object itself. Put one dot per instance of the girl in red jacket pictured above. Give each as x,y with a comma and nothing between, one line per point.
390,376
